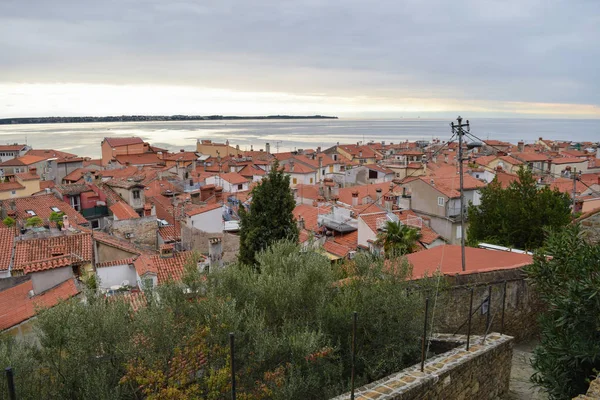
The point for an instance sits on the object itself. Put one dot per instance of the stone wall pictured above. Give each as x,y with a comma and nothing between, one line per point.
593,392
590,226
451,309
482,372
196,239
139,231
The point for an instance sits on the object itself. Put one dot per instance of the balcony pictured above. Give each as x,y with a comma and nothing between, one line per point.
95,212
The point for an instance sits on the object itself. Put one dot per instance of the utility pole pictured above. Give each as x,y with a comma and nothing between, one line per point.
574,189
458,129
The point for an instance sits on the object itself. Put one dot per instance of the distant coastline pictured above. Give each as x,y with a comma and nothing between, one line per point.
140,118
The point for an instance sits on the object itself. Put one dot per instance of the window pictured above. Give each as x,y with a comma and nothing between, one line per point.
240,186
76,202
441,201
372,174
136,194
13,192
458,232
148,283
95,224
55,209
311,181
294,181
31,212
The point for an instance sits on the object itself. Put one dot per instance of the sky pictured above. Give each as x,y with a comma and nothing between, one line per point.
348,58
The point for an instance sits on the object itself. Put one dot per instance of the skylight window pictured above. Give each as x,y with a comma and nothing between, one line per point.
31,212
55,209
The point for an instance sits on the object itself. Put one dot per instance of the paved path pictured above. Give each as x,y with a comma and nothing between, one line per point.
520,385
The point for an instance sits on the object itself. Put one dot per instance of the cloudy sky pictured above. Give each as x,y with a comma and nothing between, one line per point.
348,58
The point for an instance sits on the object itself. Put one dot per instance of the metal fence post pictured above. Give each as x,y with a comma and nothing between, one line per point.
503,308
11,384
354,318
488,319
470,314
423,355
232,348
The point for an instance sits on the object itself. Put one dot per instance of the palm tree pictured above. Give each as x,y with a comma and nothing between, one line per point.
398,239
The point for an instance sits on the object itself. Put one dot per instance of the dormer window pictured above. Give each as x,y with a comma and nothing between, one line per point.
136,194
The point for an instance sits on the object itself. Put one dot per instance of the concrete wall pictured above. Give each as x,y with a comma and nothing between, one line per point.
197,240
140,231
482,372
116,274
209,221
104,253
45,280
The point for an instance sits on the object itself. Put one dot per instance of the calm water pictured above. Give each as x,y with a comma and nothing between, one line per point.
84,139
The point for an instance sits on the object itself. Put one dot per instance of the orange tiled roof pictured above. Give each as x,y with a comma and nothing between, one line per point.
299,168
8,186
345,194
565,185
407,217
251,170
7,237
77,174
233,178
169,233
122,211
448,259
27,176
448,186
505,179
49,153
336,249
181,156
16,306
139,159
46,184
40,254
42,206
567,160
165,268
117,243
310,215
530,157
25,160
122,141
11,147
379,168
349,240
195,209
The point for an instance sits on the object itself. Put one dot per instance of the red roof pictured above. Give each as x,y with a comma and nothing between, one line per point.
25,160
251,170
169,233
123,261
448,186
310,215
49,153
505,179
195,209
181,156
530,157
448,259
565,185
165,268
139,159
27,176
42,207
11,147
122,141
336,249
510,160
7,237
349,240
407,217
34,255
117,243
233,178
568,160
299,168
379,168
8,186
345,194
16,306
122,211
307,191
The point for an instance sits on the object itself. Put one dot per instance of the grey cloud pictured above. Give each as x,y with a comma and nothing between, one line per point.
528,50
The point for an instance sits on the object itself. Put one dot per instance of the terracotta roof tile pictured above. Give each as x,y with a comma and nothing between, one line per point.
568,160
299,168
39,254
25,160
310,215
7,237
169,233
234,178
117,243
336,249
16,306
349,240
9,186
123,261
42,206
27,176
139,159
123,141
407,217
448,259
11,147
122,211
165,268
49,153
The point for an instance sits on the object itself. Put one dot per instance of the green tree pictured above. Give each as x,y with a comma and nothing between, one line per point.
516,216
568,283
398,239
270,217
57,217
9,222
34,221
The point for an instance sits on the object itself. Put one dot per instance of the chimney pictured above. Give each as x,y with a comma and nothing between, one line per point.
320,166
389,200
301,223
432,182
166,251
215,251
268,148
318,149
291,166
379,197
521,146
219,193
251,148
360,154
355,198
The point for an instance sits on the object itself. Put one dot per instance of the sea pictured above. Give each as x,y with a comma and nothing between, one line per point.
288,135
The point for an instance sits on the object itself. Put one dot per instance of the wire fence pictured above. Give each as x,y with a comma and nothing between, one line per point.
472,309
